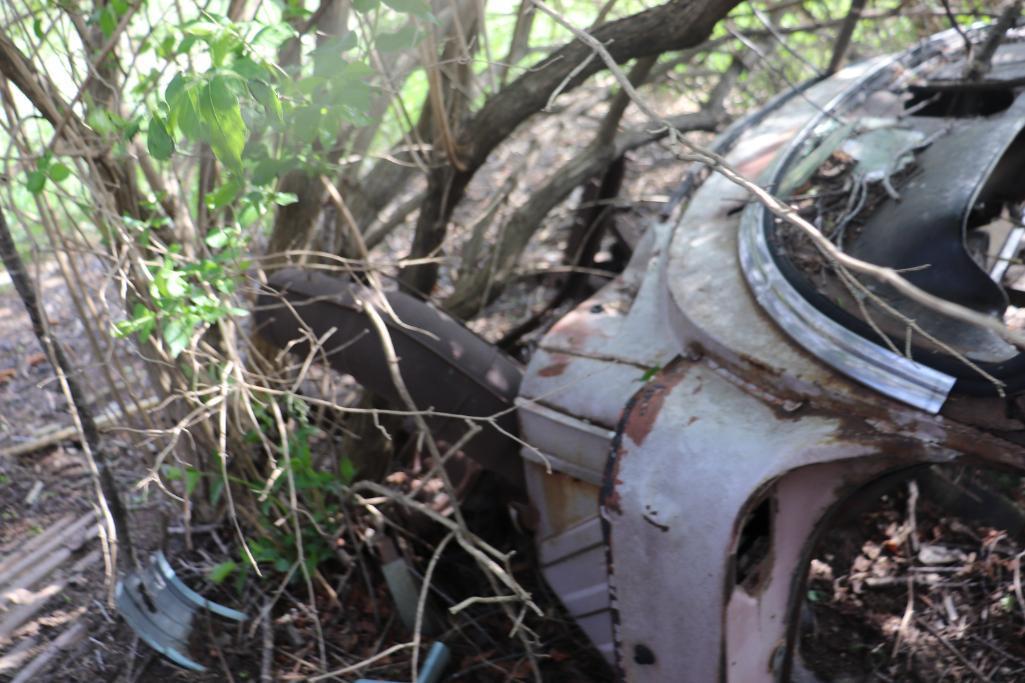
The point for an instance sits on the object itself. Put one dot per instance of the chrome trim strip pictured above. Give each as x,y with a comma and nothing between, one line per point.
136,617
164,569
850,353
862,360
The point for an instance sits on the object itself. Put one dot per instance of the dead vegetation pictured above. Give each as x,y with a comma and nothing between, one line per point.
921,583
250,470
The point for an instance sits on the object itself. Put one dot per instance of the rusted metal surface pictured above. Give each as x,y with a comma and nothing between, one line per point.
674,505
571,550
599,356
571,400
737,423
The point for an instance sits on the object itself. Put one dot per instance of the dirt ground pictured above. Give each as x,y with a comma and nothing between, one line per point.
922,584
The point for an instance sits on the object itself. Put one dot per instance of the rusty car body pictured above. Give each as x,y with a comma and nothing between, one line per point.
692,428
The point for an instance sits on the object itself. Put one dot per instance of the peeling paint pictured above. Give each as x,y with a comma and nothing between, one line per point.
555,369
649,402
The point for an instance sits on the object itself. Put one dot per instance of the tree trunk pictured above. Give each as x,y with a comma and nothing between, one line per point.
676,25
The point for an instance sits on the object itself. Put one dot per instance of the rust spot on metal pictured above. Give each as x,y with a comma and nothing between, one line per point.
989,413
609,497
555,369
649,403
754,167
636,422
568,501
756,164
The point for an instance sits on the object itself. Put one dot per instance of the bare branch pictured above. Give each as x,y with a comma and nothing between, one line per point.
843,38
675,25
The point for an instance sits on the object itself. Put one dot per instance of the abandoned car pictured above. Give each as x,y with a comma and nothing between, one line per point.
689,431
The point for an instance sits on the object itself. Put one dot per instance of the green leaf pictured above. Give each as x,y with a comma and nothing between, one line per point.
356,95
186,45
222,96
168,283
249,69
221,46
146,327
176,336
36,181
248,215
132,127
108,21
158,140
274,35
175,88
185,115
58,172
192,477
649,373
100,121
216,489
305,123
328,54
268,99
37,28
310,84
165,48
224,195
142,321
267,171
120,6
256,150
222,571
285,198
353,71
405,37
202,29
174,285
217,239
227,128
416,7
346,470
